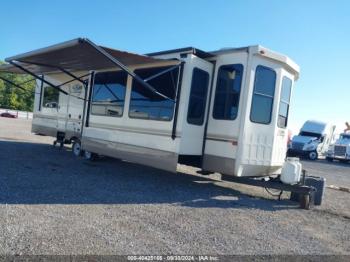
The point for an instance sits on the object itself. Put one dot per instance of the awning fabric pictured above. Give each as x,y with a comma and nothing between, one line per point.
73,55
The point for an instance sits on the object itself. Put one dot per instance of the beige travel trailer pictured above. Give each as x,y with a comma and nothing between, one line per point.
231,114
224,111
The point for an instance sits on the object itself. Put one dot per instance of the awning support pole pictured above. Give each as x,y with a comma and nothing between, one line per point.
30,80
124,68
70,81
57,67
177,104
14,84
163,72
37,77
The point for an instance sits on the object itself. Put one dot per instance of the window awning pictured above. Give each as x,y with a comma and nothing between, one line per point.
75,55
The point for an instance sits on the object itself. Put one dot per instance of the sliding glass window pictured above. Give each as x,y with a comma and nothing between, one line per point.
108,94
284,102
263,95
147,104
228,90
198,97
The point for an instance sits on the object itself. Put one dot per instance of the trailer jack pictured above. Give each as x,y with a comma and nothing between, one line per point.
302,192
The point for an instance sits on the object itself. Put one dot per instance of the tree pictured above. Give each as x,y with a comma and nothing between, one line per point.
12,97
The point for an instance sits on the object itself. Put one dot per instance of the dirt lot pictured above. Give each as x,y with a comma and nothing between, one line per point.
53,203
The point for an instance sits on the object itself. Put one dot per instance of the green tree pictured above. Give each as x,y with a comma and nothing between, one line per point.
12,97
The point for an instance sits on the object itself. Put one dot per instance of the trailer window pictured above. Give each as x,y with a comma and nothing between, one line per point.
228,89
284,102
51,96
264,91
108,94
146,104
198,97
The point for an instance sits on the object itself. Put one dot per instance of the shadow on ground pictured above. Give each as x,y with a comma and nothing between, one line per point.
33,173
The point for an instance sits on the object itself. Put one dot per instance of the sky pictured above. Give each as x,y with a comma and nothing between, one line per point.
315,34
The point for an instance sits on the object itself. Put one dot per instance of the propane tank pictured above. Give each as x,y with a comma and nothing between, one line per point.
291,171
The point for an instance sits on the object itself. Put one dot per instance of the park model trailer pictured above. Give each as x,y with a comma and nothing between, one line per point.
224,111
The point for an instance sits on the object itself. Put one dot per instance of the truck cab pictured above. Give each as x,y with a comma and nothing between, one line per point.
313,140
340,150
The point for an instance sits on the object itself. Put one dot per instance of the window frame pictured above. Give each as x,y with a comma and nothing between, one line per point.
263,95
239,95
175,93
93,88
205,98
43,88
284,102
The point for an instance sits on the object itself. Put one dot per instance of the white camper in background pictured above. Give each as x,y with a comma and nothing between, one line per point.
224,111
313,140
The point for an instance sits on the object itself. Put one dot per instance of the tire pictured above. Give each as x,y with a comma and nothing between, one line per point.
76,148
329,159
305,202
313,155
90,156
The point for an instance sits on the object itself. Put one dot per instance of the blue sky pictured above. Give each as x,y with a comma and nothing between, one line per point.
315,34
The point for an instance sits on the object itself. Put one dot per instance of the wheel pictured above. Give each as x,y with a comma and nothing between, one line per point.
329,159
313,155
76,148
305,201
89,155
54,143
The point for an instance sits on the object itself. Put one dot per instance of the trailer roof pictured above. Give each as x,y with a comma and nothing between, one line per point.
185,50
74,55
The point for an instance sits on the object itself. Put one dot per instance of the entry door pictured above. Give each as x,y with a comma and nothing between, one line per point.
62,111
225,114
75,110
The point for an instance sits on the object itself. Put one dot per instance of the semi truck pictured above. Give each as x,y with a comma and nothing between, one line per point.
340,150
313,140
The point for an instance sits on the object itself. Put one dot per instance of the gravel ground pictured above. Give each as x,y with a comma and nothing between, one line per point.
52,203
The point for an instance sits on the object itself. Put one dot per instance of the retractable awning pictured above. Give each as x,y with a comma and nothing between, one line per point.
75,55
79,54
